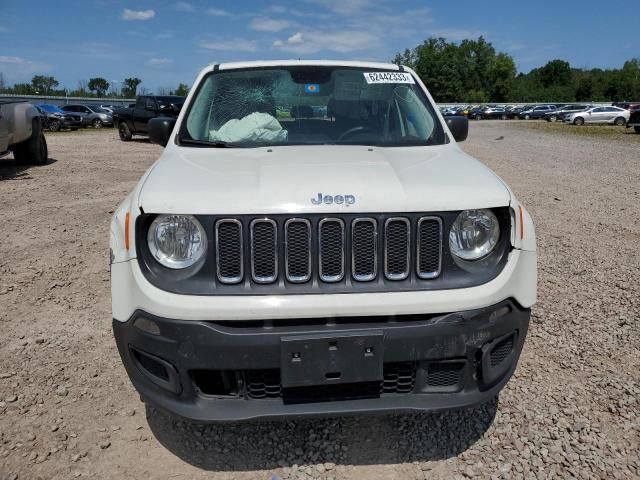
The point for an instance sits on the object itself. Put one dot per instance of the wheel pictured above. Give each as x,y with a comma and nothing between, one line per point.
478,116
96,123
504,116
124,132
619,121
34,151
552,118
578,121
636,129
54,125
527,117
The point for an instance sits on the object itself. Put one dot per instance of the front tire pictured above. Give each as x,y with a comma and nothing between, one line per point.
478,116
503,117
636,129
96,123
578,121
552,118
527,117
34,151
124,132
54,126
619,121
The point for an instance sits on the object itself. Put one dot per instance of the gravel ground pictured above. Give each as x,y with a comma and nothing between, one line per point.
571,411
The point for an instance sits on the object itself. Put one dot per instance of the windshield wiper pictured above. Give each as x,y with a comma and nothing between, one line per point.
203,143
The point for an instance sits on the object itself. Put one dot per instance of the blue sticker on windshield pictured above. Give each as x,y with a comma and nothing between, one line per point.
312,88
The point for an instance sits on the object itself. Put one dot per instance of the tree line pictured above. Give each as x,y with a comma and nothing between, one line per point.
472,71
94,87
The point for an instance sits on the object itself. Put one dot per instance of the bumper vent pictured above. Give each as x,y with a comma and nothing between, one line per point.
501,351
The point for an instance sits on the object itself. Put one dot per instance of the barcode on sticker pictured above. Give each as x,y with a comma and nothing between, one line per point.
388,77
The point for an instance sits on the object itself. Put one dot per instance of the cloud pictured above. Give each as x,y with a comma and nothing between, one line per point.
137,14
184,7
164,35
231,45
268,24
18,69
159,62
218,12
312,41
347,7
14,60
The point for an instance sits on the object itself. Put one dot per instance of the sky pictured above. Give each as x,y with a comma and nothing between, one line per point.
166,42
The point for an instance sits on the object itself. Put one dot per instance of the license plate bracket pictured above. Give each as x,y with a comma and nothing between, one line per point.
328,359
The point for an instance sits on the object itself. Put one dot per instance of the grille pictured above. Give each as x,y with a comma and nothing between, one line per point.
331,247
429,247
328,249
396,254
398,378
297,232
444,374
263,383
364,245
501,351
264,251
229,250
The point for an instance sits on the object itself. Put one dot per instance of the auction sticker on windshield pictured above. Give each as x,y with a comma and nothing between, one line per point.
388,77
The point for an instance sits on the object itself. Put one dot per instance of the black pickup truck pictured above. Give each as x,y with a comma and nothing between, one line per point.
634,120
133,121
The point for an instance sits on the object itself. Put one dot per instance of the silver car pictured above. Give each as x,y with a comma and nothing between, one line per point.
91,115
610,115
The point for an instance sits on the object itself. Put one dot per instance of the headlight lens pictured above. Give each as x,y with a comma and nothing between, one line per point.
474,234
177,241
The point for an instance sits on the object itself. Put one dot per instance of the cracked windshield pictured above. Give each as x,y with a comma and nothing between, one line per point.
298,106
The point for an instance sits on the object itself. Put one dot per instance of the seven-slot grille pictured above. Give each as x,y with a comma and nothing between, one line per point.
326,246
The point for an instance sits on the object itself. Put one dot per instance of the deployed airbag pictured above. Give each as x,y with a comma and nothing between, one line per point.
255,127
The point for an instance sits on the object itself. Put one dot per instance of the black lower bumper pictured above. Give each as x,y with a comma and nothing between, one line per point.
229,371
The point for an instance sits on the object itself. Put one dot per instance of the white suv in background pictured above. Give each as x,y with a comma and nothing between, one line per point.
314,241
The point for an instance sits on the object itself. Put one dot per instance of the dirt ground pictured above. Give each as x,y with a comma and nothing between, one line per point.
67,408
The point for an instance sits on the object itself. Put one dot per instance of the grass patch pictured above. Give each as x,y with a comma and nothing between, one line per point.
593,131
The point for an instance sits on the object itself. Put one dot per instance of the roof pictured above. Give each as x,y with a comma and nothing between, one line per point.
289,63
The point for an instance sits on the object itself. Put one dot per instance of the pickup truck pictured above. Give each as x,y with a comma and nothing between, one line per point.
280,265
134,121
634,120
21,133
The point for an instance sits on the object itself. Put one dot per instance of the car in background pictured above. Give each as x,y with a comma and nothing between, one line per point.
634,120
92,115
561,112
536,111
133,121
627,105
492,113
610,115
477,112
514,111
55,119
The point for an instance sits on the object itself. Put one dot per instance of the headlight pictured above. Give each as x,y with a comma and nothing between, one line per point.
474,234
177,241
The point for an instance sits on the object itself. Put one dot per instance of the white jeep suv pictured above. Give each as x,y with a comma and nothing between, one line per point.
313,241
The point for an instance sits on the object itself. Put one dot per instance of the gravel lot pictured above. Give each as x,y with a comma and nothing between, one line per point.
571,411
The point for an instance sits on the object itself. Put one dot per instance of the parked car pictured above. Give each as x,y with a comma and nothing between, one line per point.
54,118
133,121
611,115
561,112
513,112
492,113
535,112
266,268
92,115
21,133
634,120
477,112
627,105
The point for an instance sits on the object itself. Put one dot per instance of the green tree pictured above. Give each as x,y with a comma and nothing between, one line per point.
130,87
182,90
555,72
98,85
501,74
43,85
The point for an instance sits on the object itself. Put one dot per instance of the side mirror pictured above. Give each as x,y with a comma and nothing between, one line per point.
459,127
160,129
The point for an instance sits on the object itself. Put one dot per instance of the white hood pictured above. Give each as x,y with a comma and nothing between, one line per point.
285,179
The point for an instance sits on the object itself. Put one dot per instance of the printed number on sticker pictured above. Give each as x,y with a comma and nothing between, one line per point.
388,77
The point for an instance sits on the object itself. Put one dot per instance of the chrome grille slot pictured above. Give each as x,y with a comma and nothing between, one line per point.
364,249
264,251
397,235
229,251
429,253
297,238
331,249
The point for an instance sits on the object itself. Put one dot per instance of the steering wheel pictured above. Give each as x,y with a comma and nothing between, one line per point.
354,131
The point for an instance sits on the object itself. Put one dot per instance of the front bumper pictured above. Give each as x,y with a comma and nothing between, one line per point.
228,371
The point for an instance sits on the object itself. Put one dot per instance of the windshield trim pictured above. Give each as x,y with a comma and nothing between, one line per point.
184,136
